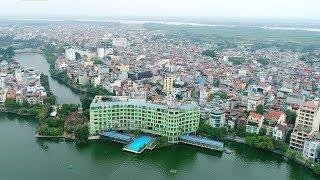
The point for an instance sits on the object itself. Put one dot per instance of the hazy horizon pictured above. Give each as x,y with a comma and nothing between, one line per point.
234,9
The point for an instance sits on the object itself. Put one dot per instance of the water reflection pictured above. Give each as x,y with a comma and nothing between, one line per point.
249,154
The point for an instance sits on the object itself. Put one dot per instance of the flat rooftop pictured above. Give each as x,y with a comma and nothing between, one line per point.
116,135
202,140
101,101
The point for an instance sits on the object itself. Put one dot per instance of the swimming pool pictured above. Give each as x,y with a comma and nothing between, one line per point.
139,143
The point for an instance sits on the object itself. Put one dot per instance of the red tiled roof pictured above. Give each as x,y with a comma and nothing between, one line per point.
274,115
256,115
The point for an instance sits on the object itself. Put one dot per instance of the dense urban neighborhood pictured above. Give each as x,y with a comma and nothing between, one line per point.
152,82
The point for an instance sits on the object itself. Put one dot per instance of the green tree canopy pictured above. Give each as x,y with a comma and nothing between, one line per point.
263,61
82,134
260,109
78,56
66,109
211,53
237,60
291,116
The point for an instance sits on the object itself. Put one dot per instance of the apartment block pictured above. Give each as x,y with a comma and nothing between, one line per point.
122,113
307,122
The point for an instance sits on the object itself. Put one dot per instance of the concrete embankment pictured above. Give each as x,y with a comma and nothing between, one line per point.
27,50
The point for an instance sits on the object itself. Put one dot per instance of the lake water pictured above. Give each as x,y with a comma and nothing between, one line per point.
38,61
24,157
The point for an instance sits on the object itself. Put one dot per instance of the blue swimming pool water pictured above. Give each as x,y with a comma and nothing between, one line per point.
139,143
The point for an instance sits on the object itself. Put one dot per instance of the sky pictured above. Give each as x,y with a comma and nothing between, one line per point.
303,9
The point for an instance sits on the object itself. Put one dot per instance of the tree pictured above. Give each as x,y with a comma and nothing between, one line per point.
179,96
210,53
264,142
66,109
82,134
210,132
96,61
78,56
86,101
51,127
237,60
260,109
263,61
280,145
93,91
8,53
316,168
262,131
291,116
43,112
11,104
216,82
51,98
221,94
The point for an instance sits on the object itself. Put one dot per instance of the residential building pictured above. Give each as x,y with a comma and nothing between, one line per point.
282,131
3,95
307,122
168,84
254,101
119,42
122,113
311,147
71,54
217,118
101,53
295,99
272,119
124,68
83,79
254,122
2,80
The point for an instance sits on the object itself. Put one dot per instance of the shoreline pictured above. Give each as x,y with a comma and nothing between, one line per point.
284,155
16,113
65,137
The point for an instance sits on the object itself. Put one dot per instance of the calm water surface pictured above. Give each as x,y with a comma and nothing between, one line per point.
24,157
38,61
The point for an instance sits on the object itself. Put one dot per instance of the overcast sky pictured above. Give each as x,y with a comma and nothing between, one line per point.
309,9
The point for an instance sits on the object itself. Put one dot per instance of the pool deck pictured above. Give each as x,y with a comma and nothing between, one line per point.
139,144
147,145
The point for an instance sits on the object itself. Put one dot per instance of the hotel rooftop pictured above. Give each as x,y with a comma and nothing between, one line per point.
104,102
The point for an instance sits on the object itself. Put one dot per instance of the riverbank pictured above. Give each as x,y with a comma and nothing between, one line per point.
2,110
294,156
28,50
65,136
